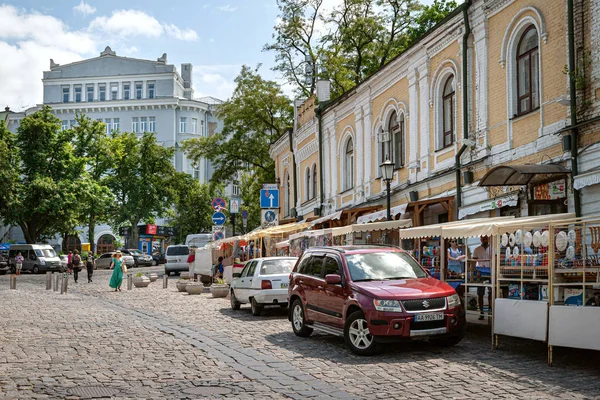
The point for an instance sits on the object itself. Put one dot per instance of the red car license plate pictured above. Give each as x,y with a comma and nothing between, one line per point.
429,317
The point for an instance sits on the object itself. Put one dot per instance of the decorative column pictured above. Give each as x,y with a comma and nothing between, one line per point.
424,131
358,148
367,148
413,142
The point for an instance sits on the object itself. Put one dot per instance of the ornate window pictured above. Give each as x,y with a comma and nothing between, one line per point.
528,72
307,186
286,199
396,127
349,165
448,112
314,181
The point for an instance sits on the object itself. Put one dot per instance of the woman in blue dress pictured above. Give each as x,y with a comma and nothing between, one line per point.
456,259
116,278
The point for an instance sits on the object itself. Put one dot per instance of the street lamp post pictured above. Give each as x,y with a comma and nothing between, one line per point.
387,172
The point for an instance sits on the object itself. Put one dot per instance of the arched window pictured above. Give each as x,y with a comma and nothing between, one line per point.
448,112
308,185
314,181
286,199
528,72
397,133
349,166
386,148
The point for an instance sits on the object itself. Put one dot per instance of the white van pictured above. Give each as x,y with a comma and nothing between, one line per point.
37,258
176,257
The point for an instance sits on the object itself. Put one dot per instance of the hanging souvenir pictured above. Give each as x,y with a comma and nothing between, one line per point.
561,241
570,253
518,237
536,238
545,239
504,240
527,239
511,240
572,237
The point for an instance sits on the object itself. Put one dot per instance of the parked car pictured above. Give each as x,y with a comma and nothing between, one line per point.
4,267
372,295
139,258
64,261
103,262
263,282
37,258
159,259
177,256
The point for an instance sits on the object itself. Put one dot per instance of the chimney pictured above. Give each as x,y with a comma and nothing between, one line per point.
186,75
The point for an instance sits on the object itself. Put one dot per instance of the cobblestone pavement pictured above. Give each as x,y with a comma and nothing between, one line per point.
159,343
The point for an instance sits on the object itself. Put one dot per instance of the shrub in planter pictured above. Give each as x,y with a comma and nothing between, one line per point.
219,288
141,280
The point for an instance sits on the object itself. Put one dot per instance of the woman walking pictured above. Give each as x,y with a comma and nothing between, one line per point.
116,278
76,261
19,261
89,265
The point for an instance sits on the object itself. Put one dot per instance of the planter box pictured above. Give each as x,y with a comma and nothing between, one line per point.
185,275
219,290
141,281
153,277
181,285
194,288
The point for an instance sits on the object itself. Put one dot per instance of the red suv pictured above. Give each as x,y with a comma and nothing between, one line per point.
371,295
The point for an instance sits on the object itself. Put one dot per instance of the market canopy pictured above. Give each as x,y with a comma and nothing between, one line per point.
521,175
374,226
381,214
329,217
493,226
435,230
277,230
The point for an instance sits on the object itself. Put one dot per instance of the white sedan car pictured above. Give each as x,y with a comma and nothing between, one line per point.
263,282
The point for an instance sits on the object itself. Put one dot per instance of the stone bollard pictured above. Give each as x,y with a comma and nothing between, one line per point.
56,278
65,284
165,281
48,280
13,281
129,282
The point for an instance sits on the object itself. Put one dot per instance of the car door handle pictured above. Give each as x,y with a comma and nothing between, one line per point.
301,281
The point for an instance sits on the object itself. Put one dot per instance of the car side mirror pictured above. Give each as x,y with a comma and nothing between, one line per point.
333,279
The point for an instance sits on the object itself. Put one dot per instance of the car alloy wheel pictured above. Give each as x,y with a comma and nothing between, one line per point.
357,335
256,308
298,321
36,269
235,304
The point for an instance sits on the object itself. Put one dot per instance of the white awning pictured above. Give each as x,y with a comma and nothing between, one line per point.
381,214
492,204
587,179
329,217
374,226
435,230
314,233
282,245
496,226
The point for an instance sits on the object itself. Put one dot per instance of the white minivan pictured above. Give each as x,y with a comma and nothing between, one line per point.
36,258
176,257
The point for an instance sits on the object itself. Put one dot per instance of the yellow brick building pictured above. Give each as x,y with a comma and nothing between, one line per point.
504,72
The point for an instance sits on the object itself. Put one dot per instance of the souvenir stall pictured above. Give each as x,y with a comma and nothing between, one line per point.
263,241
574,289
371,233
303,240
283,248
518,266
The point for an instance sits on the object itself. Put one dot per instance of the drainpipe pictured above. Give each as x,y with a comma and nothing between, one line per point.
319,113
465,121
291,136
573,106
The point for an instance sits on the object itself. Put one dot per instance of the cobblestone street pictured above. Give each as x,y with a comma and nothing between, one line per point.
159,343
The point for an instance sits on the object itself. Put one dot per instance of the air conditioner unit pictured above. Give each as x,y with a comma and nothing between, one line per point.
293,213
414,196
468,177
317,211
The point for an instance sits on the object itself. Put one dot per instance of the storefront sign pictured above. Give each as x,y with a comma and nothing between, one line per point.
150,229
550,191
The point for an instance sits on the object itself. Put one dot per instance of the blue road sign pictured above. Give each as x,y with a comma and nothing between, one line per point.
270,216
269,198
218,218
218,235
245,214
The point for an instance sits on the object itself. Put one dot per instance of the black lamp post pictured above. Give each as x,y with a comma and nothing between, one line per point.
387,172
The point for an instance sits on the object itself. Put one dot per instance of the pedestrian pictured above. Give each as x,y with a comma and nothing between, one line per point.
19,262
76,261
456,259
90,264
116,279
70,262
190,260
483,255
219,269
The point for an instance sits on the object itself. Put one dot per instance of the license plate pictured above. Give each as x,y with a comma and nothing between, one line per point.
429,317
284,285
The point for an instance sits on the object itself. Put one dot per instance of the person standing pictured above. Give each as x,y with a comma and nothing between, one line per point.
218,274
19,262
70,262
90,264
456,259
483,255
76,261
116,279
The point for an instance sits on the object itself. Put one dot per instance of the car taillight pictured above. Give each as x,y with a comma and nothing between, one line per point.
266,285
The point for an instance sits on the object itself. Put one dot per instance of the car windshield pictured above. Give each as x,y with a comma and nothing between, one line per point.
273,267
383,266
178,251
45,253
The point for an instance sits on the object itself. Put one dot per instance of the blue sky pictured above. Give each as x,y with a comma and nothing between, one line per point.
217,37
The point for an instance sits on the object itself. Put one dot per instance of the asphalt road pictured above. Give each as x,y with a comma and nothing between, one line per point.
158,343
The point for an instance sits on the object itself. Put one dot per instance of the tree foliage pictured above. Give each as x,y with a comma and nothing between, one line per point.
257,114
41,175
140,179
192,211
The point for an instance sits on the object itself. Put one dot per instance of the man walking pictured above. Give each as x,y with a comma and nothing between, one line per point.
483,255
76,260
90,264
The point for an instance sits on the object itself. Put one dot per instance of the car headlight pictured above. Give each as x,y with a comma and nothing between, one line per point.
387,305
453,301
43,262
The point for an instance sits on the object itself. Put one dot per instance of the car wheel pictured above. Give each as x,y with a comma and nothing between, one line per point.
298,320
235,304
35,269
256,308
154,263
357,335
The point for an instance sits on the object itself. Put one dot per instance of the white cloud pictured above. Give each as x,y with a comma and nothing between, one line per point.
133,23
27,43
227,8
215,80
84,8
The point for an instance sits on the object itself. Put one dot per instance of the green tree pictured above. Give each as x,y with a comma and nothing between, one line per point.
140,179
95,197
250,189
43,176
257,114
192,213
428,16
